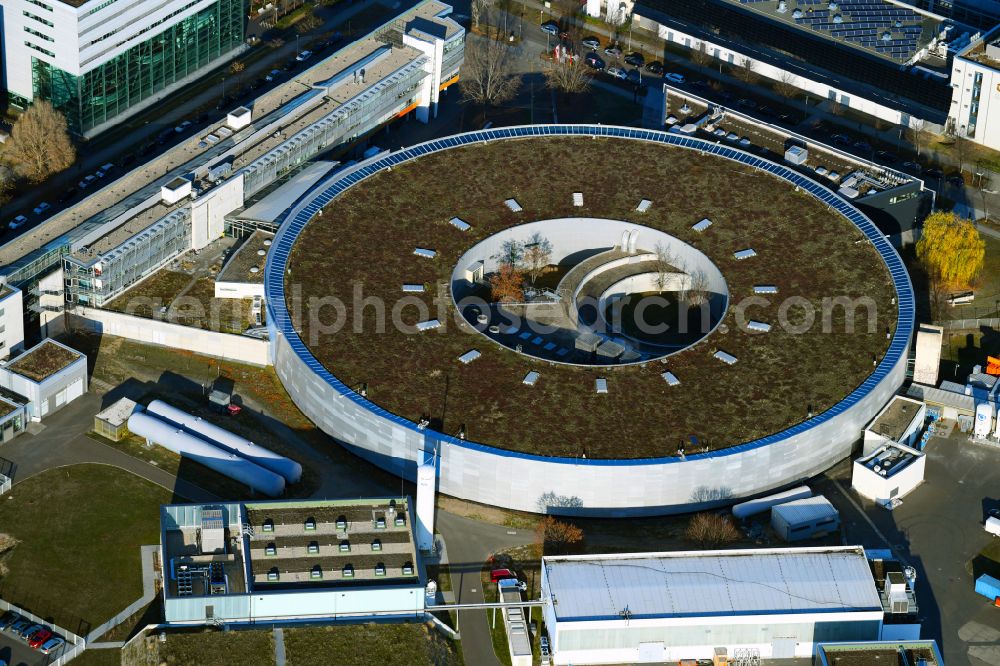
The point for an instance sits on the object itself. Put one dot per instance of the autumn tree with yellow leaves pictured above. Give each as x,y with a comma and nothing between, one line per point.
951,250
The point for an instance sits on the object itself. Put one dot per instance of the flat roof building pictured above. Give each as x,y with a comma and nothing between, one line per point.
277,561
99,62
664,607
888,473
49,376
805,518
899,422
975,102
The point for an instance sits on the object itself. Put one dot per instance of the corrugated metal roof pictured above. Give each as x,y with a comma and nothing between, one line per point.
712,583
937,396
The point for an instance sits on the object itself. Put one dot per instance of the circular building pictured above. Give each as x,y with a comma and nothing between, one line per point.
587,320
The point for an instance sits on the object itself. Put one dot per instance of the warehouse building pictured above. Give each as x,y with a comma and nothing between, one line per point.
287,561
665,607
805,518
100,61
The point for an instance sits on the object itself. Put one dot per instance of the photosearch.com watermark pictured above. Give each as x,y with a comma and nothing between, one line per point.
647,315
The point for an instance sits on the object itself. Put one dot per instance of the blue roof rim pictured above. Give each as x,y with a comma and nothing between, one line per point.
276,267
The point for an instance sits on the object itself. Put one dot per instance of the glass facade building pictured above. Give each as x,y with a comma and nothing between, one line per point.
142,71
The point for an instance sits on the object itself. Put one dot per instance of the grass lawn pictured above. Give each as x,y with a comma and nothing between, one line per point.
802,247
366,644
98,658
79,529
217,648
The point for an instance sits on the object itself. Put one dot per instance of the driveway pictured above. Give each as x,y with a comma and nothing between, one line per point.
938,530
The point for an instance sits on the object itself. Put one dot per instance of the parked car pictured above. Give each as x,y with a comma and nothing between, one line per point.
99,173
594,61
616,73
498,575
635,59
305,55
633,76
840,140
8,619
551,27
52,645
272,75
180,128
29,630
17,222
591,42
41,208
613,51
18,626
38,638
674,77
956,180
654,67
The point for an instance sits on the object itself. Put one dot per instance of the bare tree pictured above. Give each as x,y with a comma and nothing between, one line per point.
915,134
711,529
570,76
237,68
308,23
488,74
785,86
700,56
39,142
537,254
664,266
697,291
7,185
746,70
476,10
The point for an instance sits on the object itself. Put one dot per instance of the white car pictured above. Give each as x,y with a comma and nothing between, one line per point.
305,55
17,222
674,78
41,208
616,73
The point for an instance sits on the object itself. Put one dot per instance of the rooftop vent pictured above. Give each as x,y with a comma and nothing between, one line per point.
424,252
701,226
531,378
744,254
413,288
758,326
578,199
460,224
728,359
428,325
469,356
643,206
601,385
513,205
670,378
765,289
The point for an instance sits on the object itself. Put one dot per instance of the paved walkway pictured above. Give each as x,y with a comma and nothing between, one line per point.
279,647
148,594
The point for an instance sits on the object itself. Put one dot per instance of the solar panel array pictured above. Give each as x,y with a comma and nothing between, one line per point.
886,29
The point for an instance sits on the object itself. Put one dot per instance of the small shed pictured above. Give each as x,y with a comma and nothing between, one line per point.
805,518
112,422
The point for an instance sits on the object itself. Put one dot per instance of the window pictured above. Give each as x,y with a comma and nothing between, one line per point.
313,548
342,524
268,525
377,545
270,550
408,569
38,34
316,572
345,546
273,574
40,49
310,524
380,523
380,569
38,3
39,19
348,571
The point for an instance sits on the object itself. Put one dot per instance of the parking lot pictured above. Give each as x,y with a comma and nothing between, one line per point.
938,529
17,652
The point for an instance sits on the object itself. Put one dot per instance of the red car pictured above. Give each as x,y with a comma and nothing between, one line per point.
36,639
501,574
